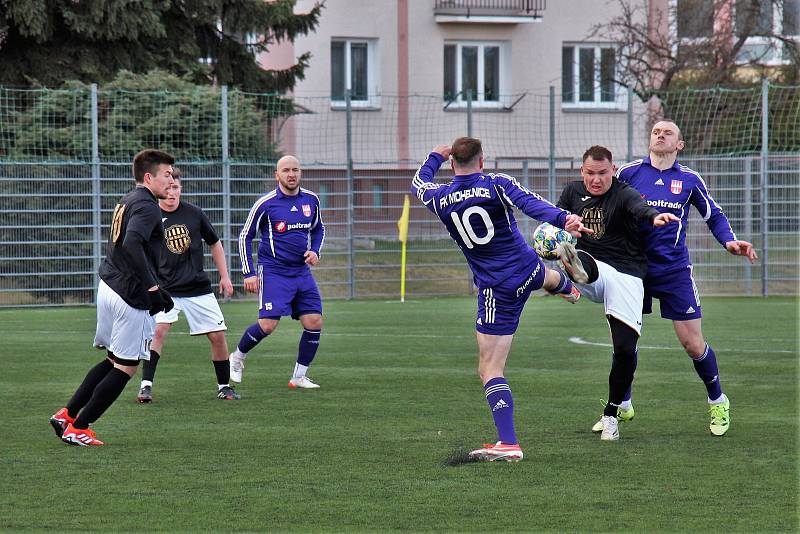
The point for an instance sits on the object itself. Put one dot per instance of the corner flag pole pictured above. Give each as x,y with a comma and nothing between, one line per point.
402,226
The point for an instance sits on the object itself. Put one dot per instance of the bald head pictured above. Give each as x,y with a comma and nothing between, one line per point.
287,174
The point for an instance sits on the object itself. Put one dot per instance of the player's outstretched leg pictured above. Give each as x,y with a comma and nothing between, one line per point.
572,263
557,283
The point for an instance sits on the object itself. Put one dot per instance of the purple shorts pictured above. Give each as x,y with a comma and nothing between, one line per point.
287,295
500,307
677,294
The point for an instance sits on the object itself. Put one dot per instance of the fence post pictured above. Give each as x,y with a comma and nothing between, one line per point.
748,218
469,112
350,200
630,124
226,178
551,156
764,186
96,190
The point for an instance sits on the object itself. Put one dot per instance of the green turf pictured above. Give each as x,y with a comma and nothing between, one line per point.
399,395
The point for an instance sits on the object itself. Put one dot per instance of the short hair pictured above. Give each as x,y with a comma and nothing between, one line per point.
680,133
466,149
598,153
176,173
148,160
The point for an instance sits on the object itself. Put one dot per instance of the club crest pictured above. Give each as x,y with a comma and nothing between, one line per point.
676,186
307,210
178,239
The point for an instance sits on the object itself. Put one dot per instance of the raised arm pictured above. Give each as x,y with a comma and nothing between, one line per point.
422,184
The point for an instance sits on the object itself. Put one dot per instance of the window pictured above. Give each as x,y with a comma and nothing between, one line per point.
587,77
353,67
476,69
378,191
695,18
753,18
324,195
791,17
762,19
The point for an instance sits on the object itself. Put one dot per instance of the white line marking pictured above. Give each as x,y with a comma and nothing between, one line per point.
581,341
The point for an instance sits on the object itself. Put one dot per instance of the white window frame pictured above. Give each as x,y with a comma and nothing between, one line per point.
620,101
777,27
373,100
478,101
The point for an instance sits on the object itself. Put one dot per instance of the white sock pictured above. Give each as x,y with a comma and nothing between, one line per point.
146,383
239,354
299,371
626,405
220,386
722,398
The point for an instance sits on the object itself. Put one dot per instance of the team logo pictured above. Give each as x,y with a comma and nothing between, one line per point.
280,226
178,239
307,210
676,186
593,219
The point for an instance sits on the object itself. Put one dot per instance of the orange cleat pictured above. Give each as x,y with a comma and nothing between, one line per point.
83,437
497,452
60,420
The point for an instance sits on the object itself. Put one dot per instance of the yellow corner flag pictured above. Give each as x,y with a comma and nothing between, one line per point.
402,227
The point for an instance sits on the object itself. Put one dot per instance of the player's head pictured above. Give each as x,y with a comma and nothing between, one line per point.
173,199
153,169
597,170
287,174
666,138
467,155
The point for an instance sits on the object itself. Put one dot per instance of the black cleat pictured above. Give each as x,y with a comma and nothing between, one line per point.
145,395
227,393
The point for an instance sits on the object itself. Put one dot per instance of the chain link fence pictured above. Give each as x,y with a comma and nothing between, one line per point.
65,162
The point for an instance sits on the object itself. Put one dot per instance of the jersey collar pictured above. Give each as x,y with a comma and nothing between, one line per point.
467,177
281,194
675,165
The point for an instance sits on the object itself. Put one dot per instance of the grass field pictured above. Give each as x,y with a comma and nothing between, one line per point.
400,393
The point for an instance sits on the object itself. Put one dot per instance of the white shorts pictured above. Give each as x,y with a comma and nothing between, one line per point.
122,329
621,294
202,314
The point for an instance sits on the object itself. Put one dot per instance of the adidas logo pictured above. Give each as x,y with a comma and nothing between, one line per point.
500,404
690,310
659,182
479,321
294,208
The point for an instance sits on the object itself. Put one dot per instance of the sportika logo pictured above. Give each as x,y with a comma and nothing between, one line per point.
280,226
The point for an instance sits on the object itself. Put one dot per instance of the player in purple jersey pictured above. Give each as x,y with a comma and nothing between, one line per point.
477,210
671,187
289,223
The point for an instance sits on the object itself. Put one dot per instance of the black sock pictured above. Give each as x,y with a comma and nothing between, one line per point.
623,363
104,396
223,370
149,370
85,390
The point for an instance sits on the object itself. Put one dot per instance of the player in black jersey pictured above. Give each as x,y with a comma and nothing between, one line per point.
182,276
609,264
127,298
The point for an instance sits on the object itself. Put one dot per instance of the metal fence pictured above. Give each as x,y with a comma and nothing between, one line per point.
54,214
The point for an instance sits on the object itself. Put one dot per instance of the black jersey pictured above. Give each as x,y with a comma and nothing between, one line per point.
134,246
614,216
181,267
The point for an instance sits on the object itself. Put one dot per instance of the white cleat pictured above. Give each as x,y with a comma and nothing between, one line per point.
572,263
610,428
237,365
302,382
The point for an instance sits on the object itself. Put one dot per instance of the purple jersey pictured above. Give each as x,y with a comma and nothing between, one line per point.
289,226
672,191
476,209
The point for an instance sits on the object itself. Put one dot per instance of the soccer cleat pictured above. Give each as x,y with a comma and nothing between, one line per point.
720,417
571,297
145,395
622,416
237,366
572,263
498,452
227,393
302,382
610,428
60,420
83,437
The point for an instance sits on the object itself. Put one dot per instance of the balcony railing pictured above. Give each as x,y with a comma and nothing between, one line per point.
490,8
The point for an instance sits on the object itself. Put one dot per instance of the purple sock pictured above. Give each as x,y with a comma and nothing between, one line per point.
309,343
498,395
250,338
706,367
564,284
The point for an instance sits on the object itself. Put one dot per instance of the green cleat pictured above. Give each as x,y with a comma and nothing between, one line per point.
622,415
720,417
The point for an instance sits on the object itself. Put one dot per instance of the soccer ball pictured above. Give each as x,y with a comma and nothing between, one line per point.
547,237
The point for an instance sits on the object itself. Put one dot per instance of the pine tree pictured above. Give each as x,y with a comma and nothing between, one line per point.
47,43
